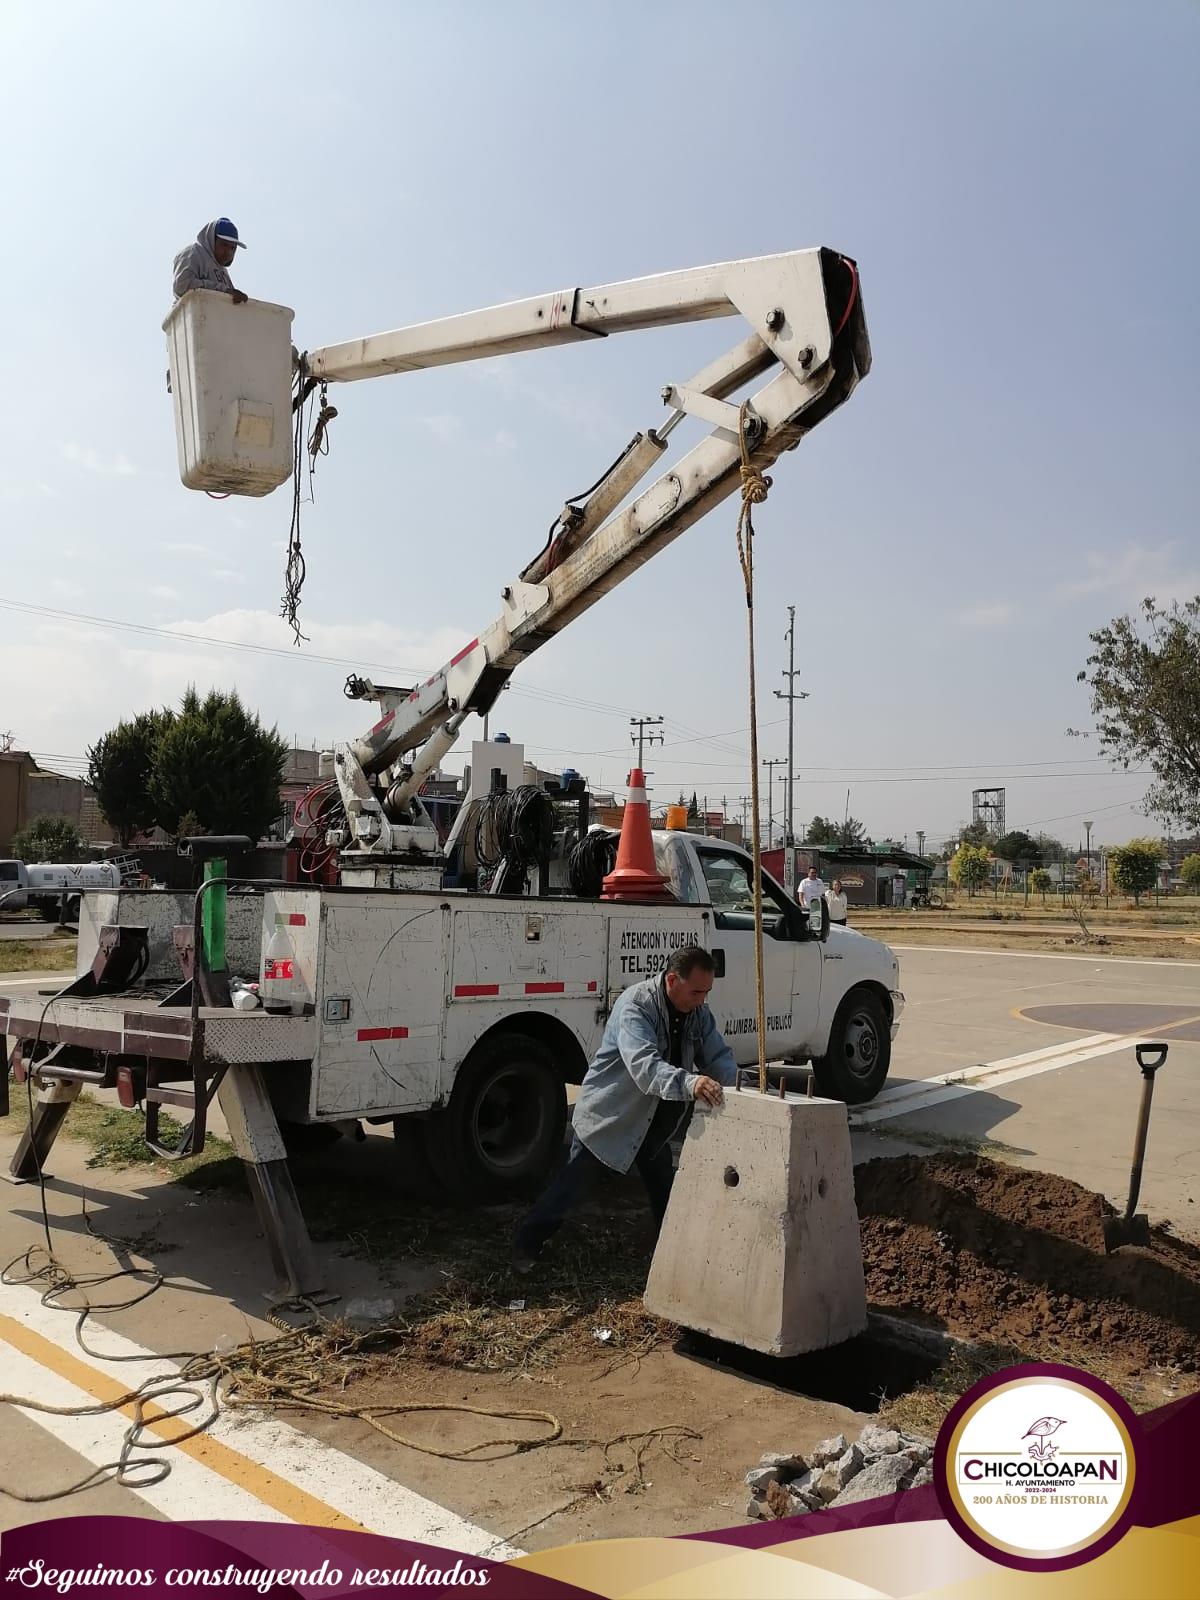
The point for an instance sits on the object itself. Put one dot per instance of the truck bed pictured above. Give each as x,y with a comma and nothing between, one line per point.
133,1023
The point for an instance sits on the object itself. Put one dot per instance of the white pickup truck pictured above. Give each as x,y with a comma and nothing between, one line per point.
473,1013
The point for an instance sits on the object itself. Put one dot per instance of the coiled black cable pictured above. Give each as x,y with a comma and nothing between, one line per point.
590,862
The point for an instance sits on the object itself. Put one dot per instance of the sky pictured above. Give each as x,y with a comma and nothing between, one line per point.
1016,182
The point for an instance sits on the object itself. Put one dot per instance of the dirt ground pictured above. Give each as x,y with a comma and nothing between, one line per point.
999,1255
553,1408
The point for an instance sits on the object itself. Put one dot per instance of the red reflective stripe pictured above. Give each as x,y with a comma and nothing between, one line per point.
465,651
545,988
383,722
468,991
591,988
292,919
365,1034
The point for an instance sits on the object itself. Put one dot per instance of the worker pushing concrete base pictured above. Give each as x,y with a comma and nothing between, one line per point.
778,1267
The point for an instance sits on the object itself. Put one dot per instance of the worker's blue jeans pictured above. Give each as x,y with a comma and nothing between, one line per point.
653,1161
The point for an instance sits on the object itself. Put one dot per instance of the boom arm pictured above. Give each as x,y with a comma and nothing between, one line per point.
806,315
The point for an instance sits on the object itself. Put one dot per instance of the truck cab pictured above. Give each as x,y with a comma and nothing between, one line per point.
14,882
833,996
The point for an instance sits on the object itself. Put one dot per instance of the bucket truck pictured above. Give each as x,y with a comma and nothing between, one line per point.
408,996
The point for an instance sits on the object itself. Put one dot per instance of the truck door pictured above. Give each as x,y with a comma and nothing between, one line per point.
791,965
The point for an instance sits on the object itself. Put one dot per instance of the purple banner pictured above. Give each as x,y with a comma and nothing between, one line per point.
134,1556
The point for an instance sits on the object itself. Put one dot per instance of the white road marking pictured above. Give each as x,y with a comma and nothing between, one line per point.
918,1096
1043,955
341,1481
190,1490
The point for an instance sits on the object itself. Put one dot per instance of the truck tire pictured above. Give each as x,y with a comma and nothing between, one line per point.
855,1067
502,1129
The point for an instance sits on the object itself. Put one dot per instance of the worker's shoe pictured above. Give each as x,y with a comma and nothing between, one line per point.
524,1261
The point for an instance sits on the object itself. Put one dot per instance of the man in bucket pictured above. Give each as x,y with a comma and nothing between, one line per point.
661,1051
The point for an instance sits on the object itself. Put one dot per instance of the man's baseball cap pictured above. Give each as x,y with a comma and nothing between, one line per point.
227,231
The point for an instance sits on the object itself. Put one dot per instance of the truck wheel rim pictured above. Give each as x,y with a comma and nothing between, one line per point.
509,1120
861,1045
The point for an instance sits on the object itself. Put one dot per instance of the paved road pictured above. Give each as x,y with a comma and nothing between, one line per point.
28,930
1033,1056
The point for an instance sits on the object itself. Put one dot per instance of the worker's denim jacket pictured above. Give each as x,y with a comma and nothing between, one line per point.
631,1074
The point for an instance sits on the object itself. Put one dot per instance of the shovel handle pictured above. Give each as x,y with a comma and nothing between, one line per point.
1150,1057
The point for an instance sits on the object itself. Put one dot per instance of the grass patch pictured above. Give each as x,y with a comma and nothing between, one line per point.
118,1138
924,1409
36,955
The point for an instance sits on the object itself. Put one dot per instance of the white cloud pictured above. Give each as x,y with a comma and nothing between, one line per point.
66,588
504,441
91,460
1129,574
997,615
162,591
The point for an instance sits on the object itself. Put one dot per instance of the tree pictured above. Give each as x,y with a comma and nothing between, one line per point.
1134,866
48,839
1018,848
217,761
1040,880
1049,848
970,866
121,768
1189,871
851,834
975,833
1144,678
824,830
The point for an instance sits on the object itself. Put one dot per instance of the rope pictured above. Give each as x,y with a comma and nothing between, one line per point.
755,487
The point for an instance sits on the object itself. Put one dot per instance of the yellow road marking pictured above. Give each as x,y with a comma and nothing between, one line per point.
265,1485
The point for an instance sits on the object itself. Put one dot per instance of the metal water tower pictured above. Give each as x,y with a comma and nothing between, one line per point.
987,806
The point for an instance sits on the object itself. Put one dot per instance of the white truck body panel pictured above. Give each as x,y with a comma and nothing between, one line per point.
403,985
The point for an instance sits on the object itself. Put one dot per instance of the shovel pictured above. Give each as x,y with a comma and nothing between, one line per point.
1131,1229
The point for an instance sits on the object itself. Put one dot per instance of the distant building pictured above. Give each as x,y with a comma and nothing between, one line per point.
29,791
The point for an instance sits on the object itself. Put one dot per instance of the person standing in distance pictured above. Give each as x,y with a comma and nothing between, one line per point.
835,899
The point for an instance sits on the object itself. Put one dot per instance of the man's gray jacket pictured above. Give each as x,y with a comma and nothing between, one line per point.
197,267
632,1074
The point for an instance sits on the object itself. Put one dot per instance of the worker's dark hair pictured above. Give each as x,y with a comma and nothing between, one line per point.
684,962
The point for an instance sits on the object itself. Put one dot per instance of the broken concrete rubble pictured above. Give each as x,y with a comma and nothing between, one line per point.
879,1462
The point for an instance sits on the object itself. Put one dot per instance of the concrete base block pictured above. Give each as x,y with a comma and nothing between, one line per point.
760,1245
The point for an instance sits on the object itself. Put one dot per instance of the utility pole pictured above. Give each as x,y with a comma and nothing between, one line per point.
791,696
775,761
920,841
1088,827
641,738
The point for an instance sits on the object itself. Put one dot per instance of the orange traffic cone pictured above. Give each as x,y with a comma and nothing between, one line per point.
635,876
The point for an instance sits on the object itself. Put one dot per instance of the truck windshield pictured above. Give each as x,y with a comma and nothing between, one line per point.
732,894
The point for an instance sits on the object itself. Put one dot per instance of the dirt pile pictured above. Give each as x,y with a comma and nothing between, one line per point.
1000,1254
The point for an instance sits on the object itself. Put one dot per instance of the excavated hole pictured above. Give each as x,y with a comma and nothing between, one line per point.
863,1373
